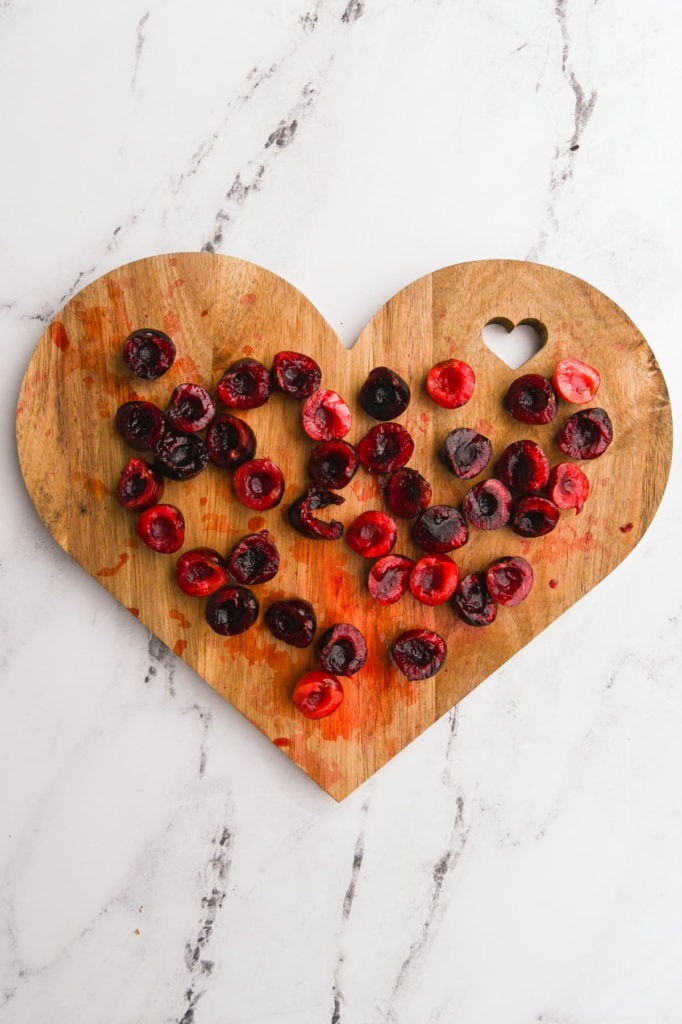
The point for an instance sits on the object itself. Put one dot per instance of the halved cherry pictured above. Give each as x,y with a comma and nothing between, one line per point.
586,434
433,579
473,600
342,649
419,653
372,534
509,580
140,485
230,441
523,465
534,516
333,464
245,384
149,353
254,559
451,383
568,487
407,493
231,610
140,424
259,484
531,399
389,578
162,528
575,381
385,448
325,416
295,374
318,693
190,408
200,572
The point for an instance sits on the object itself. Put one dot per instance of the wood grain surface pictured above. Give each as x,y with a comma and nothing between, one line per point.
218,309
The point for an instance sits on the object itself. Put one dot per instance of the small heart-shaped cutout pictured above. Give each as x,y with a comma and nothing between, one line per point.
514,345
220,309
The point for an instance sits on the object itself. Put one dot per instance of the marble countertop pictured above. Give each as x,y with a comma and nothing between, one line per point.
160,860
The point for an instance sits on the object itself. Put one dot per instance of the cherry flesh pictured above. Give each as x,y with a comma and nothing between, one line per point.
568,487
245,384
292,621
317,694
372,534
200,572
230,441
523,466
258,484
190,408
534,516
419,653
466,453
487,506
140,486
473,600
300,514
162,528
389,578
254,559
149,353
433,579
531,399
295,374
333,464
451,383
231,610
586,434
407,493
384,395
509,580
140,424
439,529
385,448
325,416
342,649
180,456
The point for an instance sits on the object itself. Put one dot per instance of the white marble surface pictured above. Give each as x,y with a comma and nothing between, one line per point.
160,861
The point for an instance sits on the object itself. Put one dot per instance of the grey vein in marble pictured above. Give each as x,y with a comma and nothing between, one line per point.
162,657
441,870
216,887
349,896
563,160
139,45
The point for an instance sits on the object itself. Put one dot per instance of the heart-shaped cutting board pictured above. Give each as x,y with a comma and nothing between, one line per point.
219,309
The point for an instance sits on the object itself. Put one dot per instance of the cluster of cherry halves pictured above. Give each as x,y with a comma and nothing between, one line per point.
189,434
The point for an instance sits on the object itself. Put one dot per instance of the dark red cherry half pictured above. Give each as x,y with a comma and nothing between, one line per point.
384,395
295,374
385,448
439,529
190,408
407,493
140,486
140,424
231,610
230,441
149,353
419,653
509,580
333,464
254,559
488,505
245,384
531,399
292,621
180,456
524,466
534,516
473,600
466,453
586,434
200,572
162,528
342,649
317,694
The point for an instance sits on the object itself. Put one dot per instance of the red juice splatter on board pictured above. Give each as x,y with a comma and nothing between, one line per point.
122,559
59,337
183,622
249,299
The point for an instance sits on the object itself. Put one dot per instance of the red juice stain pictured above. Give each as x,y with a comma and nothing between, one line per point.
122,559
249,299
204,312
214,521
171,322
135,612
179,646
485,427
282,741
247,350
183,622
95,487
203,500
88,381
173,261
625,528
256,523
440,315
554,584
117,299
59,337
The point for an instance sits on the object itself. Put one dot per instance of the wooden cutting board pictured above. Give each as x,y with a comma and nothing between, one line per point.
218,309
